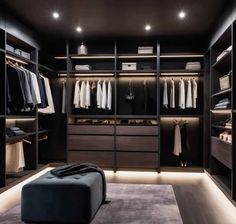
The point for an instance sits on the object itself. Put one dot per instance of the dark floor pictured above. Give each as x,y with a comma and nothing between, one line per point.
199,199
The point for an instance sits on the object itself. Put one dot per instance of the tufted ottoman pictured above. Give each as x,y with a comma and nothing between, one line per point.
69,199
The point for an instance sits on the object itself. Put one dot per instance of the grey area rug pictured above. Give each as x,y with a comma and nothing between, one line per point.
130,204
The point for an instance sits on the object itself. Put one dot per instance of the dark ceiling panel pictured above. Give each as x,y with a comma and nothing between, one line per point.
118,18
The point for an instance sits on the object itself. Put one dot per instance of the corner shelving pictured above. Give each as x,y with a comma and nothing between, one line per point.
222,154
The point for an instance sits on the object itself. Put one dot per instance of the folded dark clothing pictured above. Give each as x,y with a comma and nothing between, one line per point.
17,133
14,129
73,169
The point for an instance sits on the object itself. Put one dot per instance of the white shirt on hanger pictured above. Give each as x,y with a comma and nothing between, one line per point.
99,94
50,108
181,94
82,95
76,100
172,94
189,98
104,95
109,96
87,96
36,87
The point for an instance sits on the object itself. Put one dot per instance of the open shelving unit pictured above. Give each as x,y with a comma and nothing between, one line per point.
222,154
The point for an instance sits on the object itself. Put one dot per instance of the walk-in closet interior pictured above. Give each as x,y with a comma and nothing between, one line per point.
126,95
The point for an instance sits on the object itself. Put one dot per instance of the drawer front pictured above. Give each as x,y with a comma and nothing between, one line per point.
102,159
222,151
87,142
137,130
91,129
131,143
137,160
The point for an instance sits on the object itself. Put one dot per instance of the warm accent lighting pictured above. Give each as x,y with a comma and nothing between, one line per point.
182,14
55,15
79,29
147,27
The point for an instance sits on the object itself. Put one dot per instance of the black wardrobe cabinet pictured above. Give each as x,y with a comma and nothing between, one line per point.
26,121
222,167
136,133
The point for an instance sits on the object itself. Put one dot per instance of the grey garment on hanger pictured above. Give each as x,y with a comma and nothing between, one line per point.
189,98
165,95
177,141
181,94
172,94
63,109
194,95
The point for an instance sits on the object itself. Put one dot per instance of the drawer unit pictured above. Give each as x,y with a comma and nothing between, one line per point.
102,159
137,160
90,142
137,130
222,151
137,143
91,129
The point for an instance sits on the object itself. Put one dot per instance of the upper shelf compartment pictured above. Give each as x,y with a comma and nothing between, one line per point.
20,50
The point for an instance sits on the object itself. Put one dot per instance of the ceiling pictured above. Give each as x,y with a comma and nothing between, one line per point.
117,18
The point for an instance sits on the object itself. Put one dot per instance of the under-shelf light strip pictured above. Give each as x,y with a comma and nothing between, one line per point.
221,111
182,56
16,60
79,75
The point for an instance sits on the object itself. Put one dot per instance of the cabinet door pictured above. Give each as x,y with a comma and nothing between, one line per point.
134,143
222,151
91,129
137,130
137,160
90,142
101,159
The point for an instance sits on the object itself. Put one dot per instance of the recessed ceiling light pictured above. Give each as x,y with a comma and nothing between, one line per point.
182,14
147,27
55,15
79,29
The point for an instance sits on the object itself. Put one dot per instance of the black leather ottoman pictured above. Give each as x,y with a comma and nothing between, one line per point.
70,199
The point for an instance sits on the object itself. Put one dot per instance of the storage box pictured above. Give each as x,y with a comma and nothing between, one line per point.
145,50
129,66
225,82
9,48
25,54
17,51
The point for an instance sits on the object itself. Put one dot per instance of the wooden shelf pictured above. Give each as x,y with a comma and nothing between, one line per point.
220,127
18,58
91,116
225,61
227,111
136,56
43,67
181,55
222,92
151,72
182,115
93,73
20,116
137,117
93,56
87,57
182,71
